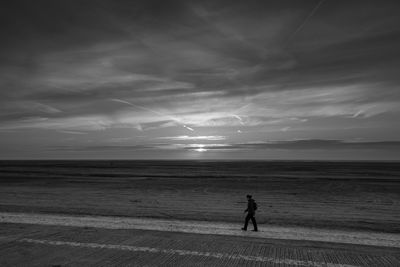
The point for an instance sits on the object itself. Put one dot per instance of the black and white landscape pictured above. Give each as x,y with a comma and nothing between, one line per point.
132,131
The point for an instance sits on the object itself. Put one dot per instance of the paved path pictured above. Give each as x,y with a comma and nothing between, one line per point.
94,241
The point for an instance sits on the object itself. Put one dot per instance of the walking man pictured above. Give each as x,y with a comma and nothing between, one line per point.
251,210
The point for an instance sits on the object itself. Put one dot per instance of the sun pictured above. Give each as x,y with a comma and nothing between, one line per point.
200,148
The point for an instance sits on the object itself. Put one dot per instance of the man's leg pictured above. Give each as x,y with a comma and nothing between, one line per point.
246,222
253,220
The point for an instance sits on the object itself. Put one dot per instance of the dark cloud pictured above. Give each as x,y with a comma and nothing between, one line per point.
216,67
106,148
312,144
320,145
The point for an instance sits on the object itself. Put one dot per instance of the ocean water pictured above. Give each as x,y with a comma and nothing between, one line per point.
202,169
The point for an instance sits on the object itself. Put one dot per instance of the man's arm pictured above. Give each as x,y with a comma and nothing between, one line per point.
248,206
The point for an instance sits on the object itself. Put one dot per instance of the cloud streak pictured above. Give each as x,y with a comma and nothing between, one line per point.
191,138
213,70
312,144
305,20
178,121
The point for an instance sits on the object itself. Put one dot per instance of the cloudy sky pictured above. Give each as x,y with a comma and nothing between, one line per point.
300,79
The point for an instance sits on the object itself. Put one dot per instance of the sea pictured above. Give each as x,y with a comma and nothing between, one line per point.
370,170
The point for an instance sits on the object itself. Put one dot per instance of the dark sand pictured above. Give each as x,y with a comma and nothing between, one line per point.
332,195
44,245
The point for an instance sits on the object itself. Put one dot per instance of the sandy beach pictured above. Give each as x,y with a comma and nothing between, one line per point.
149,213
50,240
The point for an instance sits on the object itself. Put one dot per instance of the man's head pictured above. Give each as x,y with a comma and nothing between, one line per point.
248,196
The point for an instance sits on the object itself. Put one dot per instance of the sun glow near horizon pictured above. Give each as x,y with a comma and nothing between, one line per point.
238,80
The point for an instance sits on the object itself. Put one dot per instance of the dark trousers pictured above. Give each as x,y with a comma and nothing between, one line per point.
250,216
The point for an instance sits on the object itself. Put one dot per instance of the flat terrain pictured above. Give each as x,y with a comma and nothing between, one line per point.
149,213
331,195
389,240
45,245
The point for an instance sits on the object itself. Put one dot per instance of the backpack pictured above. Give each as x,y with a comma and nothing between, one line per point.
255,205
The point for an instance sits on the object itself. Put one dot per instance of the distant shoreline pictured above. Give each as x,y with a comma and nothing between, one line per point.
203,160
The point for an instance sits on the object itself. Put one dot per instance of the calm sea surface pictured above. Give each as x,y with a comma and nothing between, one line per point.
201,169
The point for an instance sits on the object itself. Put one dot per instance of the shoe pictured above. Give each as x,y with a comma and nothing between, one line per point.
244,229
255,230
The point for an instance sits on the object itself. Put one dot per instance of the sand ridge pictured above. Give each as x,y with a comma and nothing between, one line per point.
206,227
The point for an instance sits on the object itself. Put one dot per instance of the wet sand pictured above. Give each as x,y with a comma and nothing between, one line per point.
209,228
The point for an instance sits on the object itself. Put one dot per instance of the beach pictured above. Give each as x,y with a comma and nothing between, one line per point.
332,195
189,213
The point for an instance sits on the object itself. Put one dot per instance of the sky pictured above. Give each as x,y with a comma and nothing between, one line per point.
263,80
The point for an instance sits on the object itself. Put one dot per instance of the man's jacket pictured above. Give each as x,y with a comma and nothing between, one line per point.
250,206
